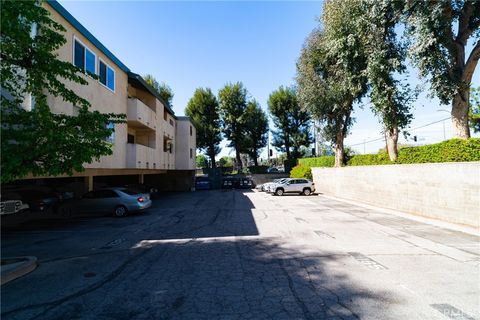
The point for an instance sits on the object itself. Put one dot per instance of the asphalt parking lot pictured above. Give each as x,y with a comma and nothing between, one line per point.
244,255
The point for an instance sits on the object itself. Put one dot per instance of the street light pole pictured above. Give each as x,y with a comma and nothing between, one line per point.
443,122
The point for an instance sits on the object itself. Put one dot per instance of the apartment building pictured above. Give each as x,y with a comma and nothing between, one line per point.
154,145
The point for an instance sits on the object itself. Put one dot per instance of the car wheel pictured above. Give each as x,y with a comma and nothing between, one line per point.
307,192
279,192
120,211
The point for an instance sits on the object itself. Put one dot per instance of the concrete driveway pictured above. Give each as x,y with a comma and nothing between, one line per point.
244,255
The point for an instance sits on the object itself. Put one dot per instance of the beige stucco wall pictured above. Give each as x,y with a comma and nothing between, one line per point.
445,191
100,97
185,143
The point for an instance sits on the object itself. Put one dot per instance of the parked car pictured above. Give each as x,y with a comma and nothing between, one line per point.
266,186
272,170
118,201
300,186
38,200
203,183
246,183
230,183
143,188
11,202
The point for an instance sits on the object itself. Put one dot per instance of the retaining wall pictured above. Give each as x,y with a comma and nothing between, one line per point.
445,191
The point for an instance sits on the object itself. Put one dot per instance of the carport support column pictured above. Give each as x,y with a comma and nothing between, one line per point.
140,178
88,183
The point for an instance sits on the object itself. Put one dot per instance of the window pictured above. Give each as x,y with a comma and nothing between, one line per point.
130,138
107,194
107,75
83,57
111,126
171,122
191,153
165,115
191,131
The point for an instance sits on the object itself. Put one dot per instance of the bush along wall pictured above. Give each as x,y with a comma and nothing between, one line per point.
454,150
301,171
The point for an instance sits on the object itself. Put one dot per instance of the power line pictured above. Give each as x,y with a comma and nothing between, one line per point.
413,129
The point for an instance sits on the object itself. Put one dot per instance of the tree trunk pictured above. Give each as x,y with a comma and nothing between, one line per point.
339,150
238,160
392,140
212,159
460,114
255,157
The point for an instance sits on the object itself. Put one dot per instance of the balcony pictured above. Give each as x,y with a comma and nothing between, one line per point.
141,157
140,116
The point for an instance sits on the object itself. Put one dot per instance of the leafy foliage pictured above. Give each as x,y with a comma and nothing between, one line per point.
324,161
256,130
37,141
330,73
474,115
233,102
439,32
163,89
292,123
203,110
201,161
226,161
301,171
454,150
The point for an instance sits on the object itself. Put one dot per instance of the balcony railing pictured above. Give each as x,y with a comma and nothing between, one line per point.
141,157
139,115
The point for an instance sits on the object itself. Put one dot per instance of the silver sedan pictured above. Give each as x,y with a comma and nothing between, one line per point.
119,201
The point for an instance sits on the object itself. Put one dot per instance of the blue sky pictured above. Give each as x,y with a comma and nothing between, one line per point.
207,44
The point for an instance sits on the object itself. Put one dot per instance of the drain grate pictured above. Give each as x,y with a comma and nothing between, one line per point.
451,312
366,261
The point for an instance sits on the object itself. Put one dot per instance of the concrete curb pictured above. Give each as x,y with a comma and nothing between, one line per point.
15,267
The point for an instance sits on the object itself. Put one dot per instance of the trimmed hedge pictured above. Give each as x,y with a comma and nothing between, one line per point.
454,150
301,171
369,159
325,161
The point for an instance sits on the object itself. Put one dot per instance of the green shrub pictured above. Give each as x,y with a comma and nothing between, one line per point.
454,150
369,159
325,161
301,171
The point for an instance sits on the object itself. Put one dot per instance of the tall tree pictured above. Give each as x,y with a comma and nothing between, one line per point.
233,102
203,110
163,89
375,23
331,73
328,89
256,130
292,123
440,32
201,161
34,140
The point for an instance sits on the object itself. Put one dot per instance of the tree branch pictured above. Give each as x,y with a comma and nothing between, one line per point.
464,28
471,64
